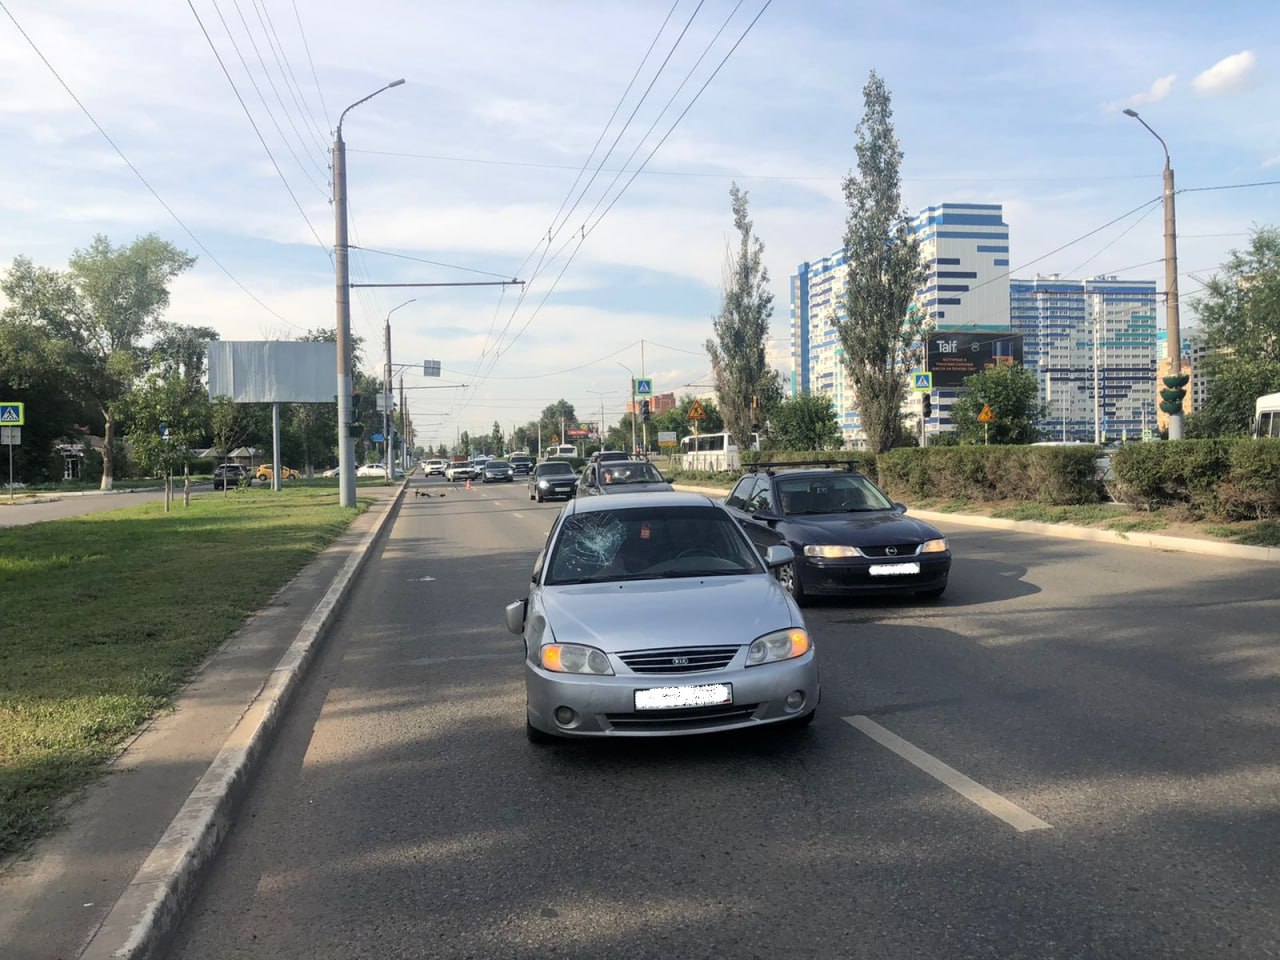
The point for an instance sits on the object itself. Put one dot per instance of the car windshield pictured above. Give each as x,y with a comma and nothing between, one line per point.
624,473
547,468
647,543
829,494
497,463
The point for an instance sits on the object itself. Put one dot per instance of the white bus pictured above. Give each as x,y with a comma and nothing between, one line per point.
1266,416
559,450
713,451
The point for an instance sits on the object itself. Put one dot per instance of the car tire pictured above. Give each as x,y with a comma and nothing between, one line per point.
536,736
538,496
933,594
790,580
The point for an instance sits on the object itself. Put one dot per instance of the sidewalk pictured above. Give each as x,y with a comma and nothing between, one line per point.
56,896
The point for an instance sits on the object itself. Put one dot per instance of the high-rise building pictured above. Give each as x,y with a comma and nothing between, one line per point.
1092,345
817,304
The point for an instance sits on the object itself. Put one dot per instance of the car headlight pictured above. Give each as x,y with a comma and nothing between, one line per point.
934,546
574,658
781,645
831,551
544,483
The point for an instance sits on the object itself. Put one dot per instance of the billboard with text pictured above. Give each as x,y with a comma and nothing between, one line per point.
956,354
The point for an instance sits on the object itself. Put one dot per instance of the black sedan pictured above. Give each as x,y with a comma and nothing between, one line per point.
622,476
848,537
553,478
496,471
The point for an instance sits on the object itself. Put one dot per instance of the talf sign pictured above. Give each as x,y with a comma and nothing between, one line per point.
987,415
12,414
696,412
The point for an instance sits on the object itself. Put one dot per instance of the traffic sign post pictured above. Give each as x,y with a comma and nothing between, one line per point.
11,437
922,382
985,418
696,412
643,387
11,414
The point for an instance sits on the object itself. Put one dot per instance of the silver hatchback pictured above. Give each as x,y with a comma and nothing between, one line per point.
654,615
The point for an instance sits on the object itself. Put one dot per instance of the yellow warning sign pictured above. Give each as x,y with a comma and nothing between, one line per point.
696,412
987,415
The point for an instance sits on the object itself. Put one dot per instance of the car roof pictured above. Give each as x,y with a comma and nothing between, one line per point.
810,472
638,501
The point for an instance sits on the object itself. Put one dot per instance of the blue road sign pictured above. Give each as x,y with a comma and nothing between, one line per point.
922,381
11,414
378,438
644,387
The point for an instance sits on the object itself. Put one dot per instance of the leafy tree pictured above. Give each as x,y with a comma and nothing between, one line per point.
464,444
677,419
554,417
495,439
1014,396
103,307
1239,311
168,417
747,388
806,422
881,329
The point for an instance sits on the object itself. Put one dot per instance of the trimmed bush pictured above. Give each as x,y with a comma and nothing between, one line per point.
1164,474
1053,475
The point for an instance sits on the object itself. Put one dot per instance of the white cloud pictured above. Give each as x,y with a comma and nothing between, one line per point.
1159,89
1229,75
1273,162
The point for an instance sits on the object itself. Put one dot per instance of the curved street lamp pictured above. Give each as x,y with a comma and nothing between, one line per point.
386,389
1170,277
342,281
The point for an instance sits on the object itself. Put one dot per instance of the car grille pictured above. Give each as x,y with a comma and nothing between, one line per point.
666,661
690,718
891,550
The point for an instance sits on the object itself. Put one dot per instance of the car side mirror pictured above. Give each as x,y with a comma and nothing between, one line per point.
515,616
779,555
900,507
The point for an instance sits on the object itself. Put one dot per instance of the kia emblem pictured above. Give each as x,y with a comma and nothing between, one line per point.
680,661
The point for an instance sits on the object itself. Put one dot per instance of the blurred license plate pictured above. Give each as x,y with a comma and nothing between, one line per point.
669,698
893,569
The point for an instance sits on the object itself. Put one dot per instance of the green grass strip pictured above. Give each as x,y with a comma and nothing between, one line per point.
103,617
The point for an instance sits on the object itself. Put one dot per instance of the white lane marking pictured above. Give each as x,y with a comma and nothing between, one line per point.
971,790
518,516
422,579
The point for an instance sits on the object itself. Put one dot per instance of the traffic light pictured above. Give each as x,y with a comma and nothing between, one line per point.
644,410
926,405
1175,390
354,427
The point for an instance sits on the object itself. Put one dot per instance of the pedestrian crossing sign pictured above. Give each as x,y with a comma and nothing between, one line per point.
644,387
11,414
922,382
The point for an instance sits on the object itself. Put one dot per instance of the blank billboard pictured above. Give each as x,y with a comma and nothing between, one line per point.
956,354
273,371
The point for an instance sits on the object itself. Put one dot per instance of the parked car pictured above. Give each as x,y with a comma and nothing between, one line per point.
331,472
463,470
434,468
497,471
377,470
847,535
521,464
552,478
734,652
265,472
230,475
621,476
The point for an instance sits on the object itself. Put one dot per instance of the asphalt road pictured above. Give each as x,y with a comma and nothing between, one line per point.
1120,705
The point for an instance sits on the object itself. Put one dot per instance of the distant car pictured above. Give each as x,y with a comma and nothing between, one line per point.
621,476
230,475
729,652
434,468
265,472
847,536
463,470
331,472
521,464
497,471
604,455
373,470
553,478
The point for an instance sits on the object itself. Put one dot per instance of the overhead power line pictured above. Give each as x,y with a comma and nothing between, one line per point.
314,76
287,74
434,263
137,173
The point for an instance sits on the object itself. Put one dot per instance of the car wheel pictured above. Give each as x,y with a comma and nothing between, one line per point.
932,594
790,580
534,735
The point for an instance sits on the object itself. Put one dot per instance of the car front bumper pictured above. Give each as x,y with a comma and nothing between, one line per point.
853,576
561,490
605,706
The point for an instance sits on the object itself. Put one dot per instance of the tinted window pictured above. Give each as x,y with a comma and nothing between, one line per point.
741,493
497,463
761,498
649,543
556,468
623,472
830,493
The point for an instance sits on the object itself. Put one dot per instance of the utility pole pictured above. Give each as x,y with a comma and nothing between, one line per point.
644,427
342,282
386,405
404,429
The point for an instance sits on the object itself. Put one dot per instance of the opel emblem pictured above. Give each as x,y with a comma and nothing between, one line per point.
891,551
680,661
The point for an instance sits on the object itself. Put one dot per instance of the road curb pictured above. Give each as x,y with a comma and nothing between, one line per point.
1151,541
147,914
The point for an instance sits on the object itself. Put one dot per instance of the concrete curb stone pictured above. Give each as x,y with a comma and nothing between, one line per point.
147,914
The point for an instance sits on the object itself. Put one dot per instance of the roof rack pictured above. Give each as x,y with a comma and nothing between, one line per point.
769,466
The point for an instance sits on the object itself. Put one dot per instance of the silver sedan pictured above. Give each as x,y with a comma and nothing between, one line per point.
654,615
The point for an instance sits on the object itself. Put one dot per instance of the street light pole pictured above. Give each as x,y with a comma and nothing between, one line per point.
633,404
1170,276
342,278
387,390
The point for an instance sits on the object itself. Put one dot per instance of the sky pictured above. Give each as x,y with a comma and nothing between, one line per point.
523,120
